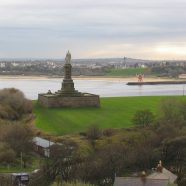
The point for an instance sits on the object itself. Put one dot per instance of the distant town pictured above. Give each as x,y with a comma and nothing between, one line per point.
91,67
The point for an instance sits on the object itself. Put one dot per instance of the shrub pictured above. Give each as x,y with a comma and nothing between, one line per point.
73,184
7,155
13,104
108,132
143,118
94,132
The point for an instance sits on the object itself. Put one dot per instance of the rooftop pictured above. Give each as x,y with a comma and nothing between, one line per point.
43,142
137,181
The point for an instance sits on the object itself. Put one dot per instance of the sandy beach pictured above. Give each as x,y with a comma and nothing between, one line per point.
128,79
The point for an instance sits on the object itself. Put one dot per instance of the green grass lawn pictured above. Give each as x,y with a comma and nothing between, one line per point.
14,169
115,112
127,72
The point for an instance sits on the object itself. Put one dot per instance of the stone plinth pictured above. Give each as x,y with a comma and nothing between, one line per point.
58,101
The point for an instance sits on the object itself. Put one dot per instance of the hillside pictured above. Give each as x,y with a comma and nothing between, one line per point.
115,112
127,72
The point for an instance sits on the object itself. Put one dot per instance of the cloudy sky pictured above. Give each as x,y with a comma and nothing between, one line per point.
148,29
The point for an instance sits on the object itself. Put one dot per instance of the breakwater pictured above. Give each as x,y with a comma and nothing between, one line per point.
157,83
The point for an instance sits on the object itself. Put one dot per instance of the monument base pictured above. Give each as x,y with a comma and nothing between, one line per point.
75,101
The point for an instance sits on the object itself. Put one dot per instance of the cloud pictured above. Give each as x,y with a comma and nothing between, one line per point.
51,26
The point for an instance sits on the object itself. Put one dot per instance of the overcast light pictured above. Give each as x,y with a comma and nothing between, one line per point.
148,29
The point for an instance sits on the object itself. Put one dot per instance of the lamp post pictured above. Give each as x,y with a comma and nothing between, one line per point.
21,161
183,89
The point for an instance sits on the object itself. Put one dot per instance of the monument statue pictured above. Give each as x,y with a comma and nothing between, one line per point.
68,68
68,96
68,84
68,58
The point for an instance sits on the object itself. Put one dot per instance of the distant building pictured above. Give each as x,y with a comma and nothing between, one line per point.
182,76
164,174
136,181
160,177
42,146
2,65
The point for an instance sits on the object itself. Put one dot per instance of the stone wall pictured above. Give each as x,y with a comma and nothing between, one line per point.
56,101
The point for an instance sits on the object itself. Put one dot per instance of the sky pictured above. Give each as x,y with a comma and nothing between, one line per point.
145,29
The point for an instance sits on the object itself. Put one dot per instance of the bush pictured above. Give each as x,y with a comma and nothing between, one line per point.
5,180
73,184
7,155
94,132
143,118
108,132
19,137
13,104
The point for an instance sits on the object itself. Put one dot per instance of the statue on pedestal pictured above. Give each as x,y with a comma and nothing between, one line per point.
68,96
68,58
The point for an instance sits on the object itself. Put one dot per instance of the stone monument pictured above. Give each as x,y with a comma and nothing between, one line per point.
67,96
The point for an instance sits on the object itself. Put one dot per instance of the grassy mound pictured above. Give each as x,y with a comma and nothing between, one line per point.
127,72
115,112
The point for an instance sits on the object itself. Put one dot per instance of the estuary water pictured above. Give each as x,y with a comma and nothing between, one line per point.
104,88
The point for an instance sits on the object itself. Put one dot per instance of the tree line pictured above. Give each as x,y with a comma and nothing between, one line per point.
99,154
123,151
16,133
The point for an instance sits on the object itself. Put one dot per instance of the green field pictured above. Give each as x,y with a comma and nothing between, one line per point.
115,112
127,72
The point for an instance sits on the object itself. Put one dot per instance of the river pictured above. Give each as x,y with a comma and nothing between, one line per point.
104,88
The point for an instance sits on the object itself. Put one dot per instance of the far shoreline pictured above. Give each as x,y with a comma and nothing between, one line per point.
111,78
